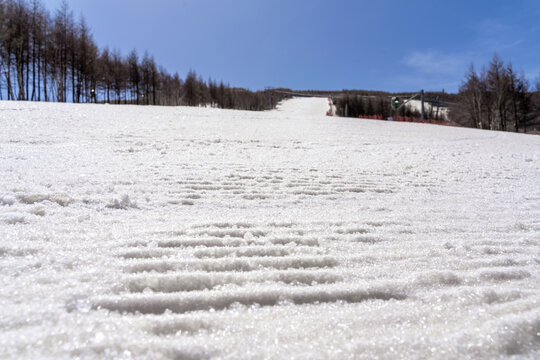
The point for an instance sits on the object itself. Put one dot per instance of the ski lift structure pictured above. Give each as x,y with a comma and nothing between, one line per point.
397,104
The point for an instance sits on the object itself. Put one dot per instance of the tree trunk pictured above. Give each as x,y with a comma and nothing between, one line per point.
20,78
34,70
11,96
45,79
28,75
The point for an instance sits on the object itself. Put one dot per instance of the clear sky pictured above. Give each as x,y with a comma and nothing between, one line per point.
313,44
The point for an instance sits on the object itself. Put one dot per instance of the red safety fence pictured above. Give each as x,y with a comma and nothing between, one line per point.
372,117
410,119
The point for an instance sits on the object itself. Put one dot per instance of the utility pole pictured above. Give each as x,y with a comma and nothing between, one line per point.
397,104
422,97
437,113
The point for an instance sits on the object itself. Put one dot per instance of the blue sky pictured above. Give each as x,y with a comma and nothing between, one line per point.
312,44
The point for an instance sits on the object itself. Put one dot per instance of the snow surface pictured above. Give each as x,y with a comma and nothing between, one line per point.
190,233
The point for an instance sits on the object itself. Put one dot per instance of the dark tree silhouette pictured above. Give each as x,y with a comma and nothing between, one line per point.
496,99
44,58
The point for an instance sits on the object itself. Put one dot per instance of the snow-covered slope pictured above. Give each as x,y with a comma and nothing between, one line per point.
172,233
304,107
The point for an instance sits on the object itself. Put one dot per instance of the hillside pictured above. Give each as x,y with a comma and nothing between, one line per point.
189,233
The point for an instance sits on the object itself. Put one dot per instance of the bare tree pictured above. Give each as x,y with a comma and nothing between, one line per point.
63,25
55,58
134,75
497,98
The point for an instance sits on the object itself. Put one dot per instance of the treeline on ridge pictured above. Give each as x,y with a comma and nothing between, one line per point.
495,98
54,58
498,98
363,103
355,105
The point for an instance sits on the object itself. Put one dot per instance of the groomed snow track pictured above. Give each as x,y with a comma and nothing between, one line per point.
189,233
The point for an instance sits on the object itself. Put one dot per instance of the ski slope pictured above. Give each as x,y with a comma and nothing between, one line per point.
191,233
